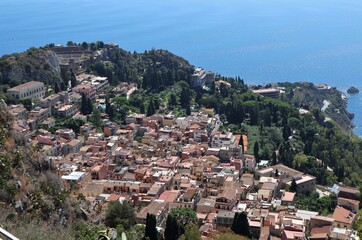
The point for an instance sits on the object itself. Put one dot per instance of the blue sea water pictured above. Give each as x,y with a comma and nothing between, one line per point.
259,40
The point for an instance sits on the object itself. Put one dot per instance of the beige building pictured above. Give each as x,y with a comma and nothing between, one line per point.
33,90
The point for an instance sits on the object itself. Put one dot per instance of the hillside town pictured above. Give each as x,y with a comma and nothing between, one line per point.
161,162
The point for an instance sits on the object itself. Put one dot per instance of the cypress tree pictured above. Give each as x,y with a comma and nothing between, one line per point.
83,105
171,230
274,158
151,108
151,230
89,106
241,224
142,108
108,106
188,110
56,88
293,186
111,113
256,151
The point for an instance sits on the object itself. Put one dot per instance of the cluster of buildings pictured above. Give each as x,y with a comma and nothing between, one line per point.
163,162
201,77
59,105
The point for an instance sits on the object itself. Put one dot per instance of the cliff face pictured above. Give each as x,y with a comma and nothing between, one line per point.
34,64
308,94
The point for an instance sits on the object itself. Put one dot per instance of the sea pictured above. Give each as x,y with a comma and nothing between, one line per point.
261,41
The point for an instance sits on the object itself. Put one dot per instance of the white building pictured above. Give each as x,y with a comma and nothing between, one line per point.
33,90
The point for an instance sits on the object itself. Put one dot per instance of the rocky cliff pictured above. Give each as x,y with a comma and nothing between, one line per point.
34,64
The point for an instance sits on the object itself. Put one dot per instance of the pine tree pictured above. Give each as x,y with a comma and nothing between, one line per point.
151,230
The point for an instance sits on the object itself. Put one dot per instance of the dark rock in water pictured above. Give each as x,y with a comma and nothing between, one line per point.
352,90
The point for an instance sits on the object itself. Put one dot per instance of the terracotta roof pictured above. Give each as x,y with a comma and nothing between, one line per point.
288,196
343,215
113,197
228,193
320,232
190,193
169,196
26,86
348,190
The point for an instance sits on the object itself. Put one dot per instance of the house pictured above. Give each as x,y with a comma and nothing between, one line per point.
305,183
73,146
348,192
349,204
268,92
99,171
157,208
18,111
292,235
67,110
343,218
206,205
33,90
288,198
88,90
227,199
225,218
249,162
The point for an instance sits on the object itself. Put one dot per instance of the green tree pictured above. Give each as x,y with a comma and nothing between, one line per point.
89,106
120,213
151,108
274,158
142,108
191,233
171,230
240,224
256,151
185,96
71,44
95,118
83,105
172,100
27,102
358,223
84,45
188,110
151,230
56,88
293,186
177,219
